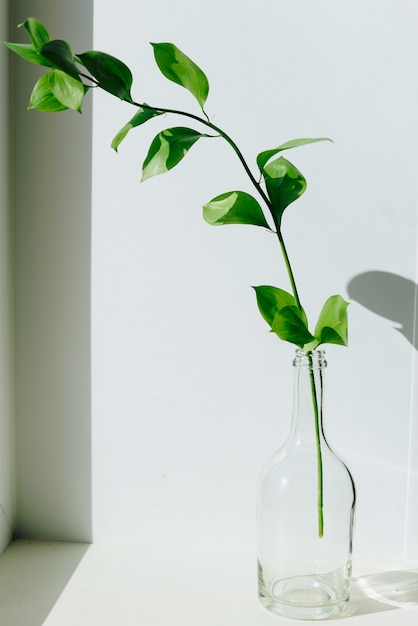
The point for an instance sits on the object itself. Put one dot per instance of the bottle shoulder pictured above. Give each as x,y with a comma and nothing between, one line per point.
299,461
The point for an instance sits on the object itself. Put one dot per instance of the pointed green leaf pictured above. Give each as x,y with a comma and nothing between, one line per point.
67,90
113,75
37,32
271,299
332,325
284,183
167,149
28,53
42,97
234,207
265,156
290,325
142,116
285,318
180,69
59,53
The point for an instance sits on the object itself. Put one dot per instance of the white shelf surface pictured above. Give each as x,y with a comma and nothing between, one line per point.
45,583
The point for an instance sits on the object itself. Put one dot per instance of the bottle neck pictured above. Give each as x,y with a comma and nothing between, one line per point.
308,391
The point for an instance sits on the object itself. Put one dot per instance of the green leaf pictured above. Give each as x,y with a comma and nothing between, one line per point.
59,53
234,207
271,299
42,97
180,69
28,53
37,32
290,325
67,90
265,156
332,325
284,183
113,75
285,318
140,117
167,149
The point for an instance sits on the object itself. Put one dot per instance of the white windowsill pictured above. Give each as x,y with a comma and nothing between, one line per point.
61,584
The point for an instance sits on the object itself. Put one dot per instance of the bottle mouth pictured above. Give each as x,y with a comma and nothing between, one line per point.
311,359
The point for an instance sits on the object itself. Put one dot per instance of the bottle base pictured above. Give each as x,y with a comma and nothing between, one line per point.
304,598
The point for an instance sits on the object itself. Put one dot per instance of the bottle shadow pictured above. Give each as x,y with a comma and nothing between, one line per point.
391,296
384,591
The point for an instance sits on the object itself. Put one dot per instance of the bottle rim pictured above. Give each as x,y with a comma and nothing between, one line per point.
312,359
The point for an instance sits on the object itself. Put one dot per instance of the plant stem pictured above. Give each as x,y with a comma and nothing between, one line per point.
318,447
289,268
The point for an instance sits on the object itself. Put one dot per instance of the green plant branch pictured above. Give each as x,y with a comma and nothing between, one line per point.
279,184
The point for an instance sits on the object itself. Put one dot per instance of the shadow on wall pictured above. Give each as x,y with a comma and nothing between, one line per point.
391,296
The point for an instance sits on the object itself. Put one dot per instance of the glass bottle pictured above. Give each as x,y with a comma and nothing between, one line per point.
305,511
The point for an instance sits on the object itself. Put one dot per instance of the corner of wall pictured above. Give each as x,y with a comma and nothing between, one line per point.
7,495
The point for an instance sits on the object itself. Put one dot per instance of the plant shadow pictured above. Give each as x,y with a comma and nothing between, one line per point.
391,296
384,591
33,574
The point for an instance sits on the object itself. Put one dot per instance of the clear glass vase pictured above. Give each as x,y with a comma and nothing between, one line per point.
305,511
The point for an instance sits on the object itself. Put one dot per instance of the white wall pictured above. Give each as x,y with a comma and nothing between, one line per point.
6,325
190,392
52,226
